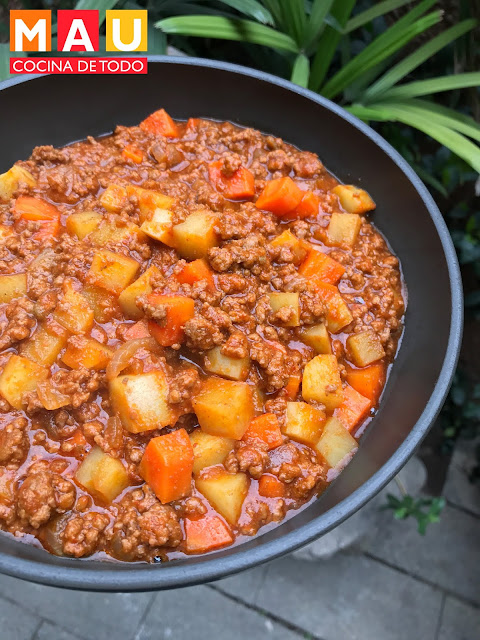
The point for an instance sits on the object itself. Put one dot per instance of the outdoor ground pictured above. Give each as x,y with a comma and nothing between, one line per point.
398,586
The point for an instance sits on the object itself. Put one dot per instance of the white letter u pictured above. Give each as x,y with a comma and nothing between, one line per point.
137,35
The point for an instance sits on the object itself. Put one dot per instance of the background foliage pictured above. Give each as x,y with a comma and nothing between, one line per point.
410,68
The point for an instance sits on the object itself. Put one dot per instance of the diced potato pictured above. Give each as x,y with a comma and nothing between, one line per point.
160,227
286,240
343,229
141,287
336,444
280,301
225,492
149,201
13,286
50,397
321,381
86,352
112,271
353,199
11,180
303,423
114,232
317,337
114,198
20,376
209,450
194,237
83,223
231,368
73,311
364,348
102,475
224,408
141,401
338,312
104,304
45,344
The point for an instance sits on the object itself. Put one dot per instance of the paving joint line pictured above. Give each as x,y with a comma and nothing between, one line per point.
462,509
440,616
426,581
141,622
37,629
304,633
43,619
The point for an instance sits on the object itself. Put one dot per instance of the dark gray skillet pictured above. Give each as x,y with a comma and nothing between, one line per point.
60,109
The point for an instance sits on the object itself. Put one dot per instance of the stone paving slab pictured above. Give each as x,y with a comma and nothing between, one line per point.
49,631
459,621
90,615
16,624
348,597
458,488
244,585
202,613
448,555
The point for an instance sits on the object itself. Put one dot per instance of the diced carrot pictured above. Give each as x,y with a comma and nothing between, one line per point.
292,386
338,313
265,428
38,210
192,125
368,381
308,206
270,487
160,123
353,409
319,266
29,208
132,153
280,196
206,533
195,272
137,330
167,465
180,309
239,186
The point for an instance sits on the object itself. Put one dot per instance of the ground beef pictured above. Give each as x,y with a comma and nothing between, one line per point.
208,328
14,442
83,534
18,323
272,358
42,494
252,458
144,526
298,468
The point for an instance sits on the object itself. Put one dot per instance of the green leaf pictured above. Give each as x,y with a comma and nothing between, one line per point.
294,19
101,5
301,70
434,85
340,10
379,9
251,8
430,180
451,139
5,60
418,57
445,116
381,48
227,29
316,20
275,9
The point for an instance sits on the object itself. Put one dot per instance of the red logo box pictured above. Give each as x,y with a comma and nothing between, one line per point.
77,30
